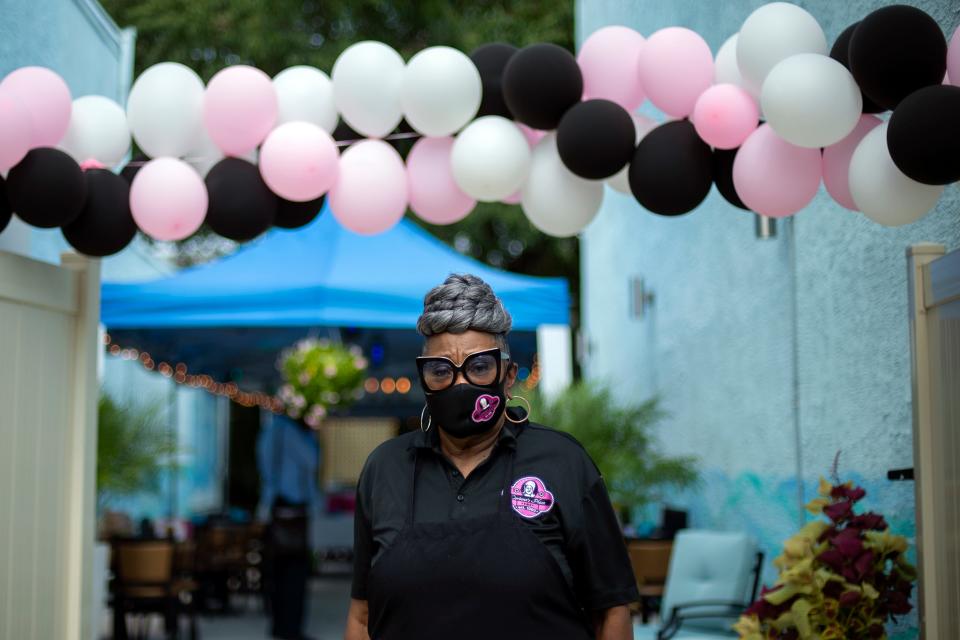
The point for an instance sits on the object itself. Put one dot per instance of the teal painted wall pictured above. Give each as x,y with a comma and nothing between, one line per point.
770,355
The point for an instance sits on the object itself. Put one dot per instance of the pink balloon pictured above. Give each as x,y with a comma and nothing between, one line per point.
725,115
676,66
15,130
836,162
610,62
47,100
434,195
533,136
168,199
239,109
514,198
299,161
953,59
370,195
773,177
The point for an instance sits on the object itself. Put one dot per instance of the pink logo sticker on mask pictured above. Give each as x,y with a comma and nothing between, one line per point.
530,497
485,408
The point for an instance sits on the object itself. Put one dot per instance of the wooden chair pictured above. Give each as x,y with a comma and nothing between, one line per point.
146,583
650,560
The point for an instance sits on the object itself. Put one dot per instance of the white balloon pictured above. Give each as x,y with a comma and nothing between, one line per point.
620,181
773,33
811,100
441,91
366,87
879,188
98,130
305,94
165,109
204,154
555,200
490,159
725,69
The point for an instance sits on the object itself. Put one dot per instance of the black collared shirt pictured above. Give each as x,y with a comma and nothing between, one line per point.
577,525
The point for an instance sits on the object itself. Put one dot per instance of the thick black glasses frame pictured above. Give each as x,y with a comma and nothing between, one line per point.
498,355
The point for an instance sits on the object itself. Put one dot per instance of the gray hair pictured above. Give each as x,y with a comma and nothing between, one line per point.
462,303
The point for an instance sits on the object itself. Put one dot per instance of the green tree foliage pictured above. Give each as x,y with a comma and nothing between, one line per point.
133,448
620,439
208,35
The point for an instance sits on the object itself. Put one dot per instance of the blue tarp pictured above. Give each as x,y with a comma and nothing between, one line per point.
323,275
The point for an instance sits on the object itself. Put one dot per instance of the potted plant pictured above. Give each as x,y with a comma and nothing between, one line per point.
133,447
842,577
319,376
620,440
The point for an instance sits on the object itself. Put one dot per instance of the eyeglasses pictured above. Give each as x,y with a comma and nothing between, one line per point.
481,368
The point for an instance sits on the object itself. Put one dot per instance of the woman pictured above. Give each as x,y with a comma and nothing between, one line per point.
482,524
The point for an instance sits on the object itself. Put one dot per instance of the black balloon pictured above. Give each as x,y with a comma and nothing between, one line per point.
896,50
924,135
5,212
490,60
841,53
723,176
293,215
672,169
241,205
105,225
540,82
595,139
47,188
136,162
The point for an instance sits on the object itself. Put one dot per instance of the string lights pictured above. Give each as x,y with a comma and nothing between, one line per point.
180,375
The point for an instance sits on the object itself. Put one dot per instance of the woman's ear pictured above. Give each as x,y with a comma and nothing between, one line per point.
511,376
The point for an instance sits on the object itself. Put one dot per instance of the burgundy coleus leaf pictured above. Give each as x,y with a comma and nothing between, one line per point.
838,510
870,521
849,598
896,602
856,493
832,589
876,631
832,558
864,565
848,543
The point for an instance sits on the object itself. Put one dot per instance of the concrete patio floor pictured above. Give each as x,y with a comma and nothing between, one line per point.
328,600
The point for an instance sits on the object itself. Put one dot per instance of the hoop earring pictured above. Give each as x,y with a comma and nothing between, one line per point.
429,420
525,402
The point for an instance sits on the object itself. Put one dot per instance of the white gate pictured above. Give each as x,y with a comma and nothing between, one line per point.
935,344
48,393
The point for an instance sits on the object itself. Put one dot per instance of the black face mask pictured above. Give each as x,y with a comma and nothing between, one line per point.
466,410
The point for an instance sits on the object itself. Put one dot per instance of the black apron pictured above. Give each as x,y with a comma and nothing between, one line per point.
481,578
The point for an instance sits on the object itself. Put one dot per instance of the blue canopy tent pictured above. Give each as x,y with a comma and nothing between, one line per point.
323,275
229,318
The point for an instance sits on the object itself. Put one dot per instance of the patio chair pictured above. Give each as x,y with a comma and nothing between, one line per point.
713,577
650,560
146,583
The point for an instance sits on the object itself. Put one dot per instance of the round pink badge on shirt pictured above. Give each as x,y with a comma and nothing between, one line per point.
530,497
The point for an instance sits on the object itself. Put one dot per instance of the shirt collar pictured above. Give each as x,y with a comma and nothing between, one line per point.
508,434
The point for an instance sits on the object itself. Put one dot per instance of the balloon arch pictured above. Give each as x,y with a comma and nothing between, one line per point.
534,126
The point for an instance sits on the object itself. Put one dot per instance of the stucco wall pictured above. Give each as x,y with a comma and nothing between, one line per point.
770,355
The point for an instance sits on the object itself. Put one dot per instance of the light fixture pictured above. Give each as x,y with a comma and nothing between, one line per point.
765,227
641,298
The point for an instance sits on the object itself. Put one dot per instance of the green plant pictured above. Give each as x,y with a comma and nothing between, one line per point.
619,438
319,375
840,578
133,448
